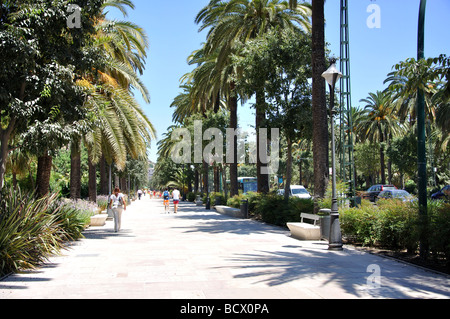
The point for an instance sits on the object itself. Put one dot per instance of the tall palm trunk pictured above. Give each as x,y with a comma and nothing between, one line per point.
233,105
196,180
205,178
320,120
75,169
287,186
262,179
92,181
104,183
43,173
382,160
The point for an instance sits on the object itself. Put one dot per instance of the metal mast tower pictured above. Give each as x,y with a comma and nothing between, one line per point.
347,157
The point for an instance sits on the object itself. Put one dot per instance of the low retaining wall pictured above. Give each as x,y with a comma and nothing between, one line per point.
229,211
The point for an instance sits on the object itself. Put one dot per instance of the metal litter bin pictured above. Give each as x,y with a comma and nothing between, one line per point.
208,203
244,208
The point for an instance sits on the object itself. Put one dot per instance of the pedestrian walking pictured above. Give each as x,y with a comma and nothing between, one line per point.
176,199
166,196
118,205
139,194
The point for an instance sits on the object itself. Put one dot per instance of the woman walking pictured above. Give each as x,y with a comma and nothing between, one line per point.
118,205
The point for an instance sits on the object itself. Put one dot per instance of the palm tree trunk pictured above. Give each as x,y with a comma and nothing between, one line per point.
92,182
196,180
75,170
382,159
205,178
262,179
233,104
224,179
383,165
103,177
216,179
320,118
287,186
43,173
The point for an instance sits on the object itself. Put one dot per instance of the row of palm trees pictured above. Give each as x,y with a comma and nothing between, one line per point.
386,115
212,84
119,129
122,127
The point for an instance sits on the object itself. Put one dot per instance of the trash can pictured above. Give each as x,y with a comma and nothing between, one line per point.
325,223
357,202
208,203
244,208
199,201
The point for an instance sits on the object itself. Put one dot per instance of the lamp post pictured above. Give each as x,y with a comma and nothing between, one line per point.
332,75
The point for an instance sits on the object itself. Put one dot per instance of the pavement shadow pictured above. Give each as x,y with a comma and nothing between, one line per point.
275,268
105,232
215,223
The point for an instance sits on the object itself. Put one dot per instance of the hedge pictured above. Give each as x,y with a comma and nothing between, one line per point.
397,225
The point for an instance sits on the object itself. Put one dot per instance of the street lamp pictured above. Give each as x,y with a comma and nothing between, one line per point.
332,75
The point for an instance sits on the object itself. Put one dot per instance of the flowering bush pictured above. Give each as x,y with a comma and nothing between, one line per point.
102,201
83,207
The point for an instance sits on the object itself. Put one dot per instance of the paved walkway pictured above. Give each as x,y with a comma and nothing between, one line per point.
202,254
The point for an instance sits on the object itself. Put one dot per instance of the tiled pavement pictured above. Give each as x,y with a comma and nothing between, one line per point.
200,254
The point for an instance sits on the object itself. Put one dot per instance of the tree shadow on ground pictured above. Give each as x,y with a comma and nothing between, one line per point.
217,224
276,268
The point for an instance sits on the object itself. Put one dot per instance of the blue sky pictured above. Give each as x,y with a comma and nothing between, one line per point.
373,51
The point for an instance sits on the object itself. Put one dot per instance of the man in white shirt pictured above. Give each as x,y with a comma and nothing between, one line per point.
176,199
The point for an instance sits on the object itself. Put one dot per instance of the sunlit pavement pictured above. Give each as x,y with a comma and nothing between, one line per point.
198,254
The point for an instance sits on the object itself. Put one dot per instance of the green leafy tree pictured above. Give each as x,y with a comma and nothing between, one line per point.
45,56
278,65
238,21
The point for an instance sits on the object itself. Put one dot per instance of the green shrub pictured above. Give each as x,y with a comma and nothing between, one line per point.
391,224
439,229
29,231
235,201
33,230
253,199
395,226
213,197
102,202
191,197
273,209
411,187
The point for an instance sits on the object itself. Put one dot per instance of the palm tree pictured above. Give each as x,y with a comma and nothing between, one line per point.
379,123
235,22
320,115
121,126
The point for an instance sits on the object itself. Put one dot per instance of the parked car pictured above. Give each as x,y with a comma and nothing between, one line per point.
372,192
443,193
396,194
297,191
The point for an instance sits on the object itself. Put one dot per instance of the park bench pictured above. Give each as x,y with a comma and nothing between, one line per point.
305,231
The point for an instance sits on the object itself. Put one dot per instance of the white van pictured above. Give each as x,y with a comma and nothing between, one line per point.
297,191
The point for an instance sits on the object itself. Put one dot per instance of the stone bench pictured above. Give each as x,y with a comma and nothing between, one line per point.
229,211
305,231
98,220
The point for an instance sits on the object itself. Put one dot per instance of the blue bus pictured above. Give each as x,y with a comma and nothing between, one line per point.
247,184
